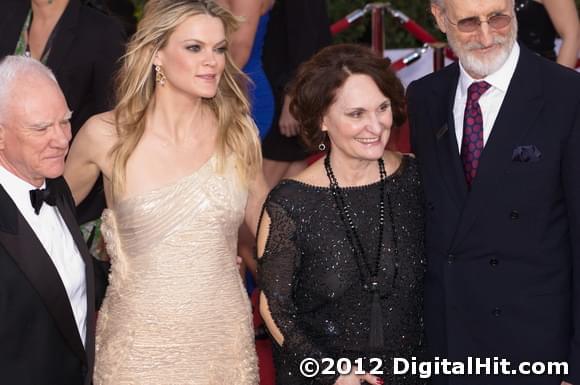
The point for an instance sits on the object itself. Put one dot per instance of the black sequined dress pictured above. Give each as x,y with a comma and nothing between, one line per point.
535,28
313,285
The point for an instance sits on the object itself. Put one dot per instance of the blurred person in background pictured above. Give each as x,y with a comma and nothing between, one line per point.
246,50
246,45
297,30
81,46
541,21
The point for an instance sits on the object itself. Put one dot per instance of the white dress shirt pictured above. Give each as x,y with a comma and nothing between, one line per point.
490,102
55,237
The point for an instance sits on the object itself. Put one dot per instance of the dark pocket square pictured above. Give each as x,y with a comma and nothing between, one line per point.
529,153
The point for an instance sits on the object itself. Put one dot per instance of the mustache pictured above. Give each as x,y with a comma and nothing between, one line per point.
497,40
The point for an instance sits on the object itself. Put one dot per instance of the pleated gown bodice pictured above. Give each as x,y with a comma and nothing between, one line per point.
176,311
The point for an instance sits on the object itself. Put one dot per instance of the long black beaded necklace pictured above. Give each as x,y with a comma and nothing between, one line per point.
368,271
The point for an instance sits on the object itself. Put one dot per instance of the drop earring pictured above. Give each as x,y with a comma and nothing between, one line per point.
159,76
322,145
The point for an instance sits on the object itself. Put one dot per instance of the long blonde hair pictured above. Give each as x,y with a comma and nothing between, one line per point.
136,84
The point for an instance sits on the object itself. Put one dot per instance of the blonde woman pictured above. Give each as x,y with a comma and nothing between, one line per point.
181,162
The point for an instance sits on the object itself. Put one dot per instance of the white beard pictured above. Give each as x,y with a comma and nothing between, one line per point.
489,63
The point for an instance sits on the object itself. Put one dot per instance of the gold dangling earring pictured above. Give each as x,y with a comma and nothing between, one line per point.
159,76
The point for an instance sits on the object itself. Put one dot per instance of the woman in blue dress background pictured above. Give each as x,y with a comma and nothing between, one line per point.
246,48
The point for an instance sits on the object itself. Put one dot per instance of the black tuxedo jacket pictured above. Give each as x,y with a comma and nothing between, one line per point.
84,55
39,340
503,275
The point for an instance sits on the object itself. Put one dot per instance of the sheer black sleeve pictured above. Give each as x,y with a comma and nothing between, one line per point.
276,277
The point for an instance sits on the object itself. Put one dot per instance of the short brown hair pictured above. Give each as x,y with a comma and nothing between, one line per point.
314,89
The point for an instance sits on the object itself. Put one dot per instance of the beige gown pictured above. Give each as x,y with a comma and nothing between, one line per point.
176,311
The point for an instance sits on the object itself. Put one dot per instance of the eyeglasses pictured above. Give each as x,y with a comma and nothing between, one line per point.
471,24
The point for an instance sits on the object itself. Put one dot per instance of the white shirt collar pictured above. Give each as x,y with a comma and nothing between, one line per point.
500,79
17,188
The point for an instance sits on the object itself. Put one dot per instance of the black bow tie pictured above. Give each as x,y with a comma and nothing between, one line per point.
39,196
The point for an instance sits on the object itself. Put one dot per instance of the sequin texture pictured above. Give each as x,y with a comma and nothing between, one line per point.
312,282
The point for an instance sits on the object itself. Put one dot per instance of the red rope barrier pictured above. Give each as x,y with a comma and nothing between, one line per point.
339,26
409,59
410,25
418,31
406,22
346,21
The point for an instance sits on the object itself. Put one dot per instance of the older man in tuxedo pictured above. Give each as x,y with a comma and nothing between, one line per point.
46,275
497,136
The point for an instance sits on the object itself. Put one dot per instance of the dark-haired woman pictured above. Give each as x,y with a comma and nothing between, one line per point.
341,244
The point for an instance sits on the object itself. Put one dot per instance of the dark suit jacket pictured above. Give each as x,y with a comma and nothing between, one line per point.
84,55
503,273
39,340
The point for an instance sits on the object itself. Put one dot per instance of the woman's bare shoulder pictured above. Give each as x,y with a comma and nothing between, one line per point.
101,125
99,131
314,174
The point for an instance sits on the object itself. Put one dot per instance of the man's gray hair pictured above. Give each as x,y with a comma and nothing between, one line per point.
14,68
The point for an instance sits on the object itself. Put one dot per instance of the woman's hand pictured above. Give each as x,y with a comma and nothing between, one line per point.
288,125
357,379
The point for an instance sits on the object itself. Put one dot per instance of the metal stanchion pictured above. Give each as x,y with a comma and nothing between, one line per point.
377,10
409,59
378,33
438,55
345,22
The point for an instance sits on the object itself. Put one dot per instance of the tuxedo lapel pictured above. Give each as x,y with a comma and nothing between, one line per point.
445,139
521,106
64,207
65,35
21,243
9,217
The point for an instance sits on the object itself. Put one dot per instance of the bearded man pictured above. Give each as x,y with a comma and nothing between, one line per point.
497,136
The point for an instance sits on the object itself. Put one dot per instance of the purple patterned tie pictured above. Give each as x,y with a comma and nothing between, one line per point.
472,143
